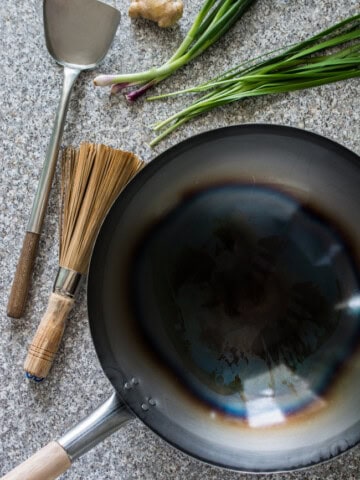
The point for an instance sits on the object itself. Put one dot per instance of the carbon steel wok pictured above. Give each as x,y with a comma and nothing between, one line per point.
223,298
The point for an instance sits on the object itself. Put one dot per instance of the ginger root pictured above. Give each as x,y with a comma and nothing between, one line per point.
164,12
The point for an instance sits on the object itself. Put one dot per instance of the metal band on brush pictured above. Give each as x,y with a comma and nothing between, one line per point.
67,282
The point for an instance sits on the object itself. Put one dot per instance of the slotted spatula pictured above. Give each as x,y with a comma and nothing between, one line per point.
78,35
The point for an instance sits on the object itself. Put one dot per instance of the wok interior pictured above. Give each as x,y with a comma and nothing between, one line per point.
231,299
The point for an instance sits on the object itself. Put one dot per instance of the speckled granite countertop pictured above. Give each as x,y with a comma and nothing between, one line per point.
31,415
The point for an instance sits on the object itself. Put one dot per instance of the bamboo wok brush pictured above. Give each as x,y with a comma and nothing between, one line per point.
92,178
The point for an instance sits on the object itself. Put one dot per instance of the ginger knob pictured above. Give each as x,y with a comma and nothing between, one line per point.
164,12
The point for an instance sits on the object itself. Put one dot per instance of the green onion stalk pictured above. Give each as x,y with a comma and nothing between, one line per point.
213,20
330,56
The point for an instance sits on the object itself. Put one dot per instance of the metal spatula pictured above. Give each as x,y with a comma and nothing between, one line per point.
78,35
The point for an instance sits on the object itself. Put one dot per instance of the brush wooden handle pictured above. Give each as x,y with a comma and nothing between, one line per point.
47,464
48,336
21,283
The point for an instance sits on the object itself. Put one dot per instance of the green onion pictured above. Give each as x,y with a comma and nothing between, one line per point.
213,20
330,56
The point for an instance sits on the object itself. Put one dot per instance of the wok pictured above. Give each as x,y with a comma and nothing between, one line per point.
223,299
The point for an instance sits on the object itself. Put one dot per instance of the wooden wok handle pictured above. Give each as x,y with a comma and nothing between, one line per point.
46,464
21,283
46,341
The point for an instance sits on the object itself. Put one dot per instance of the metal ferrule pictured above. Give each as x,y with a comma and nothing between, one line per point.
67,282
106,419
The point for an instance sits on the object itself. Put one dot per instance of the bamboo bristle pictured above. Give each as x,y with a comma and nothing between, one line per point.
92,178
69,159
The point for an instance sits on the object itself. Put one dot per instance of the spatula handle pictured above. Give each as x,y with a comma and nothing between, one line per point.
47,339
22,279
47,464
21,284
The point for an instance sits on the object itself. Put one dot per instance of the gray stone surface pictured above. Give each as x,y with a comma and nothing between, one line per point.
31,415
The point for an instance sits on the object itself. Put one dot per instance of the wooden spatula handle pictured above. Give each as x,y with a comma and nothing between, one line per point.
21,283
47,464
48,336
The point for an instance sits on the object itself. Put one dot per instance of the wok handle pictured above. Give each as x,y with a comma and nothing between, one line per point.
104,421
46,464
54,459
47,339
